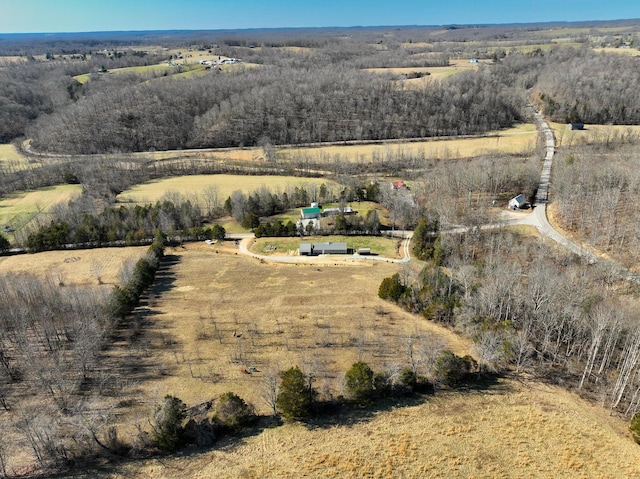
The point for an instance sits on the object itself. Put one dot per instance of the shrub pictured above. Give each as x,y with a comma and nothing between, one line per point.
634,427
391,288
359,382
295,400
233,412
451,370
406,381
167,423
4,244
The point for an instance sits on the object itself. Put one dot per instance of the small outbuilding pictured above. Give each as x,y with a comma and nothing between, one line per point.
518,202
576,126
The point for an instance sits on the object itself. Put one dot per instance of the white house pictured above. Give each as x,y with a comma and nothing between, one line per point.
517,202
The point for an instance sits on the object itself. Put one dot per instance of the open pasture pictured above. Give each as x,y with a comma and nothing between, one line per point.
19,208
515,429
518,140
87,267
594,134
214,315
226,184
431,73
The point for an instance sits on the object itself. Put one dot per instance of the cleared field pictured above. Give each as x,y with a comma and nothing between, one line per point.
317,318
593,134
387,247
226,184
213,314
518,140
11,159
434,73
19,208
75,267
513,430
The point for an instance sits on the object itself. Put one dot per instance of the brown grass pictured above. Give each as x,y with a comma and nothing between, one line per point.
74,267
514,430
315,316
309,315
593,134
227,184
517,140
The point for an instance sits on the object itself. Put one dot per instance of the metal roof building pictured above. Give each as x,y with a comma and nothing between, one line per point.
312,249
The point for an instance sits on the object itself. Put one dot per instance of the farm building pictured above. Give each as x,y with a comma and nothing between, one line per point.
576,126
347,210
398,185
517,202
313,212
306,249
313,249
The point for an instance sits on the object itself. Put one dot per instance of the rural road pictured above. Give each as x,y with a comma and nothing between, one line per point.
538,217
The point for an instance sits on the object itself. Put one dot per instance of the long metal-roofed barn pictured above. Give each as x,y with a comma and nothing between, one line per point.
313,249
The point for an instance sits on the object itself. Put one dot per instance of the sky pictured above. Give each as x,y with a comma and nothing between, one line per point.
44,16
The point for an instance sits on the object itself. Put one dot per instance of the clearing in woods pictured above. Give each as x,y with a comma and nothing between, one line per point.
214,315
19,208
84,267
216,322
521,139
226,184
11,159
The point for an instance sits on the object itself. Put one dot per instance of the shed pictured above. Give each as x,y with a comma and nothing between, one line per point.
306,249
576,126
364,251
517,202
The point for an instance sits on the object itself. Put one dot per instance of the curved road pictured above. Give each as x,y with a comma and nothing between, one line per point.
245,240
539,216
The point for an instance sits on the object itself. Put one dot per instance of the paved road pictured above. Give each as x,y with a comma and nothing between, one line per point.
539,216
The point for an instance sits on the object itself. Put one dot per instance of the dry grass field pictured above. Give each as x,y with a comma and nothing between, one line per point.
518,140
19,208
226,184
593,134
324,319
434,73
512,430
75,267
320,317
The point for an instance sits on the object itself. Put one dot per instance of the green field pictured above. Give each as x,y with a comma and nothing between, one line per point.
21,207
11,159
381,246
226,184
